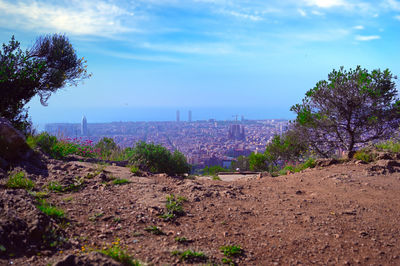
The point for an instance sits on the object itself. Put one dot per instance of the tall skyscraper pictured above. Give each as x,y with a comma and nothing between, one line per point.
190,116
178,116
84,130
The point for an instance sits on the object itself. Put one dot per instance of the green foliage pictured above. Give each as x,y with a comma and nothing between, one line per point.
242,162
349,109
285,147
134,169
117,253
389,145
55,186
44,141
258,162
18,180
173,207
217,178
190,256
50,210
181,240
107,149
231,250
309,163
214,170
120,181
154,230
49,65
364,155
157,159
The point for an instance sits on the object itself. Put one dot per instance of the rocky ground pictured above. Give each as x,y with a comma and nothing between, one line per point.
343,214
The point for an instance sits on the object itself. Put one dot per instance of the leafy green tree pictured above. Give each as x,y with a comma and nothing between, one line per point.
286,147
213,170
157,159
49,65
348,110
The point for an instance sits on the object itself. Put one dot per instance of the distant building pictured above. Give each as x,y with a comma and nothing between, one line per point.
236,132
190,116
242,118
178,116
84,129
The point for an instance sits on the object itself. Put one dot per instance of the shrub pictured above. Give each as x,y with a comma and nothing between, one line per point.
389,145
214,170
18,180
157,159
364,156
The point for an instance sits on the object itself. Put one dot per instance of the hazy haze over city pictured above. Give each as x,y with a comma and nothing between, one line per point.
215,57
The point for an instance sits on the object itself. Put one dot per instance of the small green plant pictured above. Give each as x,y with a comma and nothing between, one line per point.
18,180
117,253
39,194
95,216
117,219
231,250
181,240
389,145
67,199
189,255
154,230
215,177
55,186
364,156
79,182
50,210
134,169
174,207
120,181
227,261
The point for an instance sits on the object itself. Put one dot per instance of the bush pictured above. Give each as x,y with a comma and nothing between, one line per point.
157,159
364,156
214,170
258,162
389,145
18,180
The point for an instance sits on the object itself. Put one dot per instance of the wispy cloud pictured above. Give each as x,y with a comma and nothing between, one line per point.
393,4
83,17
365,38
241,15
302,12
326,3
397,17
194,48
358,27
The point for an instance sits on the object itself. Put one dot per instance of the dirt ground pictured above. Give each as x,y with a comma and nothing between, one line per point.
344,214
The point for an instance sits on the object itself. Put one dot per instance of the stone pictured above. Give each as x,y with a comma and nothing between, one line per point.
325,162
12,142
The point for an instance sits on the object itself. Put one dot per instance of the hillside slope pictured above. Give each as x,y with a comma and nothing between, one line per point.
341,214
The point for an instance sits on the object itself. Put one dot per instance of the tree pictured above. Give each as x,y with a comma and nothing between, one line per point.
49,65
286,147
258,162
348,110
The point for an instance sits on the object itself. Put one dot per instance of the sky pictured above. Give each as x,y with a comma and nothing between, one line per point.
218,58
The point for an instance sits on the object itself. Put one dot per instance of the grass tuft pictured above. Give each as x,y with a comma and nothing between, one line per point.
231,250
190,256
154,230
119,181
117,253
18,180
174,207
50,210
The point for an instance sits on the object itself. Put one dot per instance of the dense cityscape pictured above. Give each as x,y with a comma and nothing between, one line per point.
204,143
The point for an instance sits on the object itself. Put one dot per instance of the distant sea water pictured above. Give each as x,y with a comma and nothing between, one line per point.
125,114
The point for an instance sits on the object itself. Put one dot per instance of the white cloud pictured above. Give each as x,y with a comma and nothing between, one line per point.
326,3
358,27
82,17
302,12
195,48
393,4
241,15
364,38
397,17
317,13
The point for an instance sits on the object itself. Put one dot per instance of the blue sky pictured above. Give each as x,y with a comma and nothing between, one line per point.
255,58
